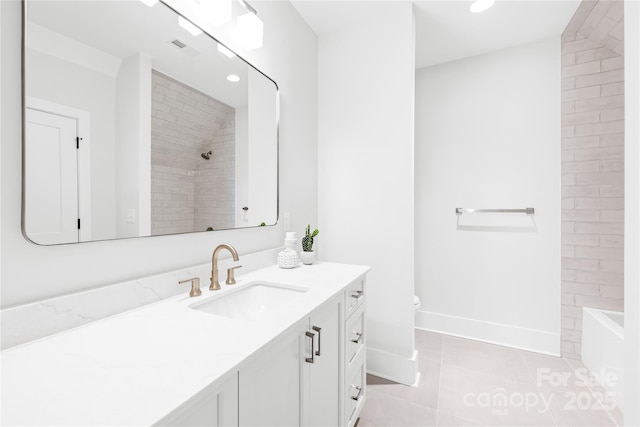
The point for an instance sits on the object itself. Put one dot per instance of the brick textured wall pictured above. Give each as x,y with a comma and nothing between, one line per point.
592,165
189,193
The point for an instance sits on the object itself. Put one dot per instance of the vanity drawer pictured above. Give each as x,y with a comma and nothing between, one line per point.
355,393
355,296
355,337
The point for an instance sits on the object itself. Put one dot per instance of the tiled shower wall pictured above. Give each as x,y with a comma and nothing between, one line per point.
189,193
592,165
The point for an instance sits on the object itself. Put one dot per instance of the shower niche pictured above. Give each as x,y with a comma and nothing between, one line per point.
150,130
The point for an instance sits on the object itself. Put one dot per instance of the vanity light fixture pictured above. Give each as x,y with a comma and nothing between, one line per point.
225,51
218,12
192,29
480,5
233,78
250,28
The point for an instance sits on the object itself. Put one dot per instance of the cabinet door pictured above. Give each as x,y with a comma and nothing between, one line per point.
215,409
325,384
271,385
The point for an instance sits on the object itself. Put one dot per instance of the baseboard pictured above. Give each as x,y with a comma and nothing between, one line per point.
494,333
392,366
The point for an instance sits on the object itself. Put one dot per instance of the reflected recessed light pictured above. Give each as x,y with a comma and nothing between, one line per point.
233,78
195,31
149,3
481,5
225,51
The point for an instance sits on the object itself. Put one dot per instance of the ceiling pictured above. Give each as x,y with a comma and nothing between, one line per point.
445,29
120,29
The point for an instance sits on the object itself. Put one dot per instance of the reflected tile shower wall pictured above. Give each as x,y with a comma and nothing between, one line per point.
592,166
188,192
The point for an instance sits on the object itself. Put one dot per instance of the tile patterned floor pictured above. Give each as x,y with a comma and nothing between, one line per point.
470,383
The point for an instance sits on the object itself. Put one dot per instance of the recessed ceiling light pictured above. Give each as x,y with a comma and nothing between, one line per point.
481,5
233,78
192,29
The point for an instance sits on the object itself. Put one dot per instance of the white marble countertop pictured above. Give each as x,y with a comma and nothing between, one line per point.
137,367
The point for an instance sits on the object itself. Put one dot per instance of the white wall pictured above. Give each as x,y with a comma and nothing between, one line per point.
31,272
133,146
72,85
488,136
1,48
365,151
241,170
632,212
262,185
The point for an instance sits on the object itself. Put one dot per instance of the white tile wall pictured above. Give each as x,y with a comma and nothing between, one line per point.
593,166
189,193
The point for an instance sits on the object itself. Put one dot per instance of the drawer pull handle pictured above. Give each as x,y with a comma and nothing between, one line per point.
357,396
357,295
317,329
310,359
357,340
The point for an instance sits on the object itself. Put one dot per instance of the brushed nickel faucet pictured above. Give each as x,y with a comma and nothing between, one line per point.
215,284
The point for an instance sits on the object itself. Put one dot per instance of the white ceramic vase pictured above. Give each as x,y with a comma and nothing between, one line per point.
288,259
308,257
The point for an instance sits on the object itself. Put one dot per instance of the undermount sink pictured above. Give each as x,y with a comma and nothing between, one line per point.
252,302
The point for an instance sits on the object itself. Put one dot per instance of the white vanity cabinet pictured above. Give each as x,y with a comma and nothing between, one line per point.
355,352
313,375
297,380
175,363
218,407
316,374
324,369
271,386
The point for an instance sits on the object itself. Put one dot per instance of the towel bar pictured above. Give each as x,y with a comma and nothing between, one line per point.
528,211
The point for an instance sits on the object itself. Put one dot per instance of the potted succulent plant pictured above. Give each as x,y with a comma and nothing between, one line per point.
308,255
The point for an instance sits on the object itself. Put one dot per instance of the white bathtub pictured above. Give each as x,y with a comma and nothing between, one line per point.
603,349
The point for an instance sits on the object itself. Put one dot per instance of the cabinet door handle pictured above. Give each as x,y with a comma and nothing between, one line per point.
357,295
357,396
357,340
317,329
310,359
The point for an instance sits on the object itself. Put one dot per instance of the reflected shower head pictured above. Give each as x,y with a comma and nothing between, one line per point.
206,156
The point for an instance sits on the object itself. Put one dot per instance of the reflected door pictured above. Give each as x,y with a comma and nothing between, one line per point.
51,178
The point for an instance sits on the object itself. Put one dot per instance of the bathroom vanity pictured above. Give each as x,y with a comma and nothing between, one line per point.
281,347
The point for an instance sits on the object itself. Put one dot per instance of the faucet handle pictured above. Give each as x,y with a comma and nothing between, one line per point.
231,280
195,286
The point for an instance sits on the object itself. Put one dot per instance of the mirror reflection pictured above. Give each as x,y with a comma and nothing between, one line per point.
138,125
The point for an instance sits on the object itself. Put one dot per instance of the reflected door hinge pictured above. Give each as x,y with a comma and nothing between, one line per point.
78,139
78,223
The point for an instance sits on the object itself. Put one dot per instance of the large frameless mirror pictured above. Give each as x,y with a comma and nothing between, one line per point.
135,125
